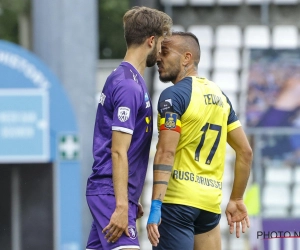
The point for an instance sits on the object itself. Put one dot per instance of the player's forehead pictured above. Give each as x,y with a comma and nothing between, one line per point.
171,43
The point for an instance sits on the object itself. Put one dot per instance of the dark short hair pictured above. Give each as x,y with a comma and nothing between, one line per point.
192,42
186,34
142,22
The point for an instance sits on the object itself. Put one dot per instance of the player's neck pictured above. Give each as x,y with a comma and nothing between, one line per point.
137,57
187,71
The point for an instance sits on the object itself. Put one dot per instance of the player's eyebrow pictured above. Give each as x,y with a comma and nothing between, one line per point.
164,47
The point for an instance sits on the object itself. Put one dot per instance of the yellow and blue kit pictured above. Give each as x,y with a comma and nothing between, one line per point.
203,115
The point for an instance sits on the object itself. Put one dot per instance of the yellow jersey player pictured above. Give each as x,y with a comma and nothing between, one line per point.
195,121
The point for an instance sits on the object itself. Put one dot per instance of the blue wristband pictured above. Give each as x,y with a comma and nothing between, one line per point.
155,212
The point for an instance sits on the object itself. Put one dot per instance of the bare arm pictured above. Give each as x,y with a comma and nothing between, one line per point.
236,211
238,141
119,219
120,145
163,163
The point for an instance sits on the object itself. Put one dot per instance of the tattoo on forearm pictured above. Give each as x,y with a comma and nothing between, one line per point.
159,197
162,167
160,182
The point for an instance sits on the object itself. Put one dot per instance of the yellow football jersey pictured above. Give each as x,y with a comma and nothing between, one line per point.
201,112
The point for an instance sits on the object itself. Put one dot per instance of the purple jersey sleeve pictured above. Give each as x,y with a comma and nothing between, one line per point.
127,99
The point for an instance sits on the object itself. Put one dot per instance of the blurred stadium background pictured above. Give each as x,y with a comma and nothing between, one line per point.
249,47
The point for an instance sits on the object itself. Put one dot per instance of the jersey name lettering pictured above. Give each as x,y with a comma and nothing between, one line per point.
213,99
188,176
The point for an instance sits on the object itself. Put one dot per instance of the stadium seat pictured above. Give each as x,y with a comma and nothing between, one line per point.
276,199
227,80
256,2
174,2
295,212
177,27
229,2
244,81
205,59
285,2
204,33
226,59
281,175
257,36
228,36
297,175
285,37
296,196
202,2
277,212
245,61
234,101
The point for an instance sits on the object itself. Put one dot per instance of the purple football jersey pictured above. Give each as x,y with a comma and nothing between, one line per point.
125,106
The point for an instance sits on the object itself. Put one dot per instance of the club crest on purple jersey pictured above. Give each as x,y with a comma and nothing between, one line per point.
146,97
123,114
132,232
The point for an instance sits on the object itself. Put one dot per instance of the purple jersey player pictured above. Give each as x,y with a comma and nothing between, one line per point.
122,136
124,106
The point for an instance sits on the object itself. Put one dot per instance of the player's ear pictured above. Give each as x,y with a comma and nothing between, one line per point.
187,58
151,41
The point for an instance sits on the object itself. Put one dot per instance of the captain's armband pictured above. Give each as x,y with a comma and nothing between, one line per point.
171,121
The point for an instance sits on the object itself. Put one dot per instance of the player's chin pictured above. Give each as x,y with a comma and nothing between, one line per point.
164,78
150,63
161,73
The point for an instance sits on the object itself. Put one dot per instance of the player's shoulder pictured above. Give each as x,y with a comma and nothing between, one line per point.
180,88
124,77
130,73
207,81
122,73
187,81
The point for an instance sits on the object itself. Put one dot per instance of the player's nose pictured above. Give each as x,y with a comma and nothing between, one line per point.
158,58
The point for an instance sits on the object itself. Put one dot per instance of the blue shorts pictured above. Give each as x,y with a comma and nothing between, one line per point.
102,207
180,223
